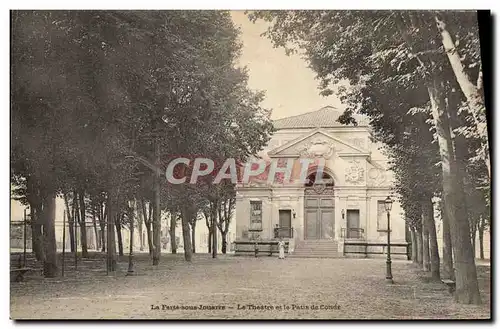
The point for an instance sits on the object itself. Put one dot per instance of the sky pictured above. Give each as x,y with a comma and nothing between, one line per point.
290,86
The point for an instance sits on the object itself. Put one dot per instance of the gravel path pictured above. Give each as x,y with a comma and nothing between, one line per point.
242,288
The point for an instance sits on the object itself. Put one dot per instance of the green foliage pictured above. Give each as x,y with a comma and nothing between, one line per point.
92,88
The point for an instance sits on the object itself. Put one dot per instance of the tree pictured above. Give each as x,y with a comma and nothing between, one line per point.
192,223
36,153
472,91
225,212
140,221
448,272
59,135
208,222
173,237
24,191
119,221
147,213
101,99
131,208
428,214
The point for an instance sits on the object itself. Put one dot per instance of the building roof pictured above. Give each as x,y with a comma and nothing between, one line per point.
325,117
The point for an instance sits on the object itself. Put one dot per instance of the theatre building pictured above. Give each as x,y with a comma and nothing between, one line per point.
343,215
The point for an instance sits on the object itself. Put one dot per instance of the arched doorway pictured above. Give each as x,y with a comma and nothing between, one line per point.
319,207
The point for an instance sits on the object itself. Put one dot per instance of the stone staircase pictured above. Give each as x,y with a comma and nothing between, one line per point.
316,249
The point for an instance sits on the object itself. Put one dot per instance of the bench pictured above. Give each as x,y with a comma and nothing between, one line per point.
450,284
17,274
265,243
271,247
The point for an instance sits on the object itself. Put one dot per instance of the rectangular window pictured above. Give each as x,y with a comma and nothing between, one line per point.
353,229
381,216
255,215
284,229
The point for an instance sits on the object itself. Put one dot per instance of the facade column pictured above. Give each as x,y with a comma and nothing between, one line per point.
300,220
369,217
363,213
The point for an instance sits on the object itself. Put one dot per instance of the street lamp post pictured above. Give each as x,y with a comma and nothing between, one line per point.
388,207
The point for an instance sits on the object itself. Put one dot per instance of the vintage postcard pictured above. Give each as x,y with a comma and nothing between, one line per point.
287,164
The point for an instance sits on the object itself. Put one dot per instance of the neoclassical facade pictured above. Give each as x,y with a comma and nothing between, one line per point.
347,206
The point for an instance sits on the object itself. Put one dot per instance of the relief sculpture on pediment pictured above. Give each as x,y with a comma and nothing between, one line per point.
318,147
355,173
376,177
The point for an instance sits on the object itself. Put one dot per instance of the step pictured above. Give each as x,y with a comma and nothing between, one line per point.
318,245
316,248
315,252
315,256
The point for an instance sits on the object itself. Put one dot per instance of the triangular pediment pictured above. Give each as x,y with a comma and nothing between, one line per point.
315,143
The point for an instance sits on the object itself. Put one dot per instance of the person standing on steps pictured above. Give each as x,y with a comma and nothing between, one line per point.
281,248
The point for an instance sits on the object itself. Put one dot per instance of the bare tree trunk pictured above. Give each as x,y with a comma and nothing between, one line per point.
210,234
141,237
213,217
157,209
193,235
111,246
118,221
130,217
96,232
83,228
473,241
185,233
224,211
173,240
75,208
207,215
413,246
140,220
481,238
425,248
147,223
467,289
224,242
36,220
420,251
428,213
103,213
70,223
149,235
448,272
49,237
36,232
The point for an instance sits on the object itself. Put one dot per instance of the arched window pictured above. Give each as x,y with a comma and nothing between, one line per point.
311,179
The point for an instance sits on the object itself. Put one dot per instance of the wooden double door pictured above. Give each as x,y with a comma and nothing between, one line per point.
319,217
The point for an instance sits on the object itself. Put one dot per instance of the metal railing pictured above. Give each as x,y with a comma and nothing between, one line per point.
283,232
352,233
